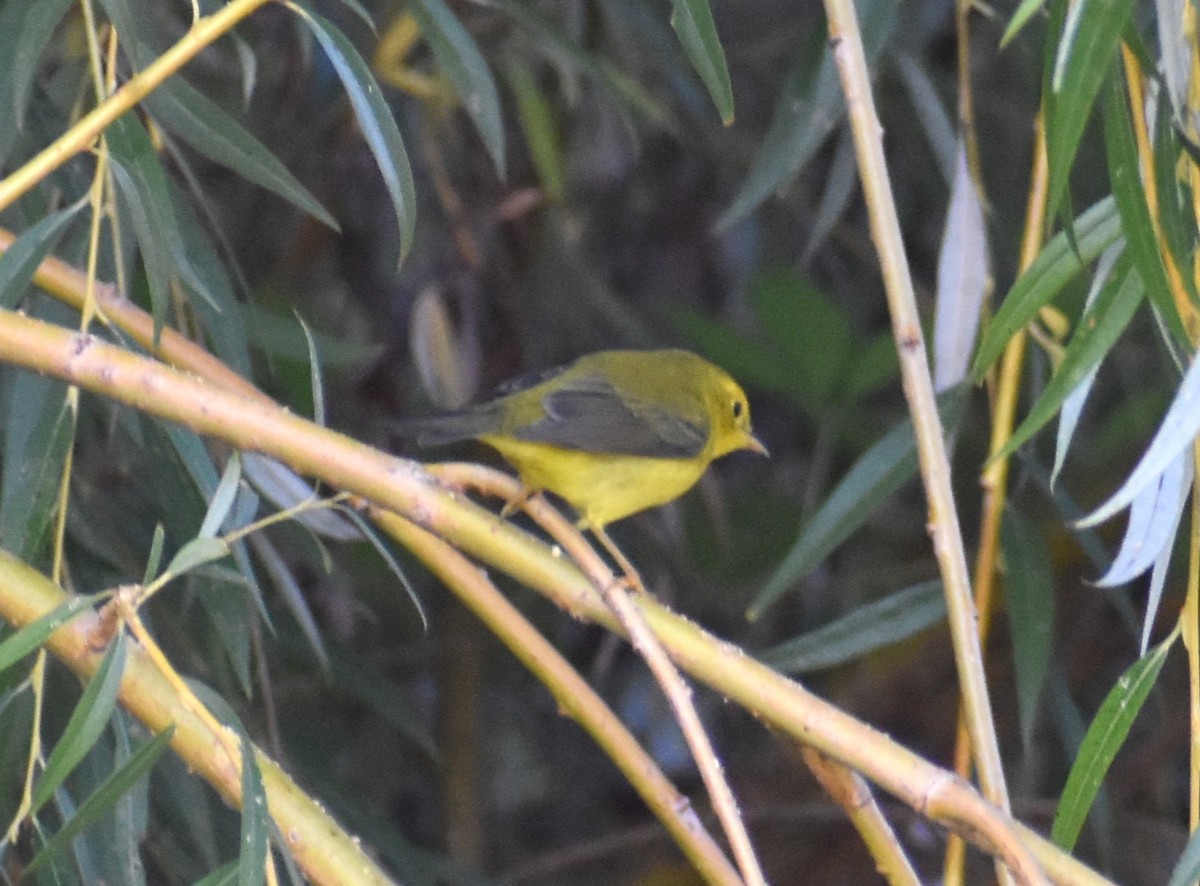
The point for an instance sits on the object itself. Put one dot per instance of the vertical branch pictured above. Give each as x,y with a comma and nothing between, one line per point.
918,389
994,480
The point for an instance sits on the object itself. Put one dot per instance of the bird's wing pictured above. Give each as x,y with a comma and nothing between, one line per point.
589,414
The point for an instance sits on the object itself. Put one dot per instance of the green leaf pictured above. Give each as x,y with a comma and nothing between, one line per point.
20,261
1056,265
105,797
1095,334
314,373
624,88
289,588
256,820
1029,591
30,637
693,22
1124,172
541,133
1019,19
374,119
1177,222
37,437
26,27
875,625
196,553
225,875
882,470
202,123
222,500
1104,738
458,55
1090,36
87,722
808,108
252,860
142,183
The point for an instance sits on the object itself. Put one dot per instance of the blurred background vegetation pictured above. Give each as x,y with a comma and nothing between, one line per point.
603,204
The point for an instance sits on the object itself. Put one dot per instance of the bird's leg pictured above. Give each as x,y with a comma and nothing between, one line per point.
631,578
518,503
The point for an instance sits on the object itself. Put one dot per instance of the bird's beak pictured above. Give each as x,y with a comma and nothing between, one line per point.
754,444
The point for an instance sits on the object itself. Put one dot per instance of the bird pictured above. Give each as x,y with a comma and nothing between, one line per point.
613,433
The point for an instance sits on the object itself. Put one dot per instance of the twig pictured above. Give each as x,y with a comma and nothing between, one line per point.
851,793
204,31
618,599
918,388
575,697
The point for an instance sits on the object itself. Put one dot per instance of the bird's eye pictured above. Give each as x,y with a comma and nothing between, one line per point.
738,408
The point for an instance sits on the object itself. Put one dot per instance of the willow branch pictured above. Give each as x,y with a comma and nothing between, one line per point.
325,852
79,138
918,389
407,488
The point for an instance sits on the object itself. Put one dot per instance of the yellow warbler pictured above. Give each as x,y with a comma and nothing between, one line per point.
613,433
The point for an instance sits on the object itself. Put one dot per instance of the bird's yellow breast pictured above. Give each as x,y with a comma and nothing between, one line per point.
601,487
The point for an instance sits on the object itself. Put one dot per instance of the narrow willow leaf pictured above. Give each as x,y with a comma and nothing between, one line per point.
883,469
284,488
963,279
1073,403
196,553
1153,521
1056,265
810,105
1090,36
200,122
248,62
26,27
34,634
459,57
1175,52
1029,591
840,187
541,134
1176,433
624,88
155,256
1187,869
885,622
255,828
314,373
293,596
1072,728
37,436
252,859
142,182
385,552
101,802
20,261
226,875
87,722
1020,18
1104,738
1158,580
1124,172
935,122
1174,213
374,119
222,500
693,22
1095,334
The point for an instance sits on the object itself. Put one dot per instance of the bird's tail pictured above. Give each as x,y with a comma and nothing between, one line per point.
449,427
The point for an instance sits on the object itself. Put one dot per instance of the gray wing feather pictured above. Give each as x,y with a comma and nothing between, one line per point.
590,415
